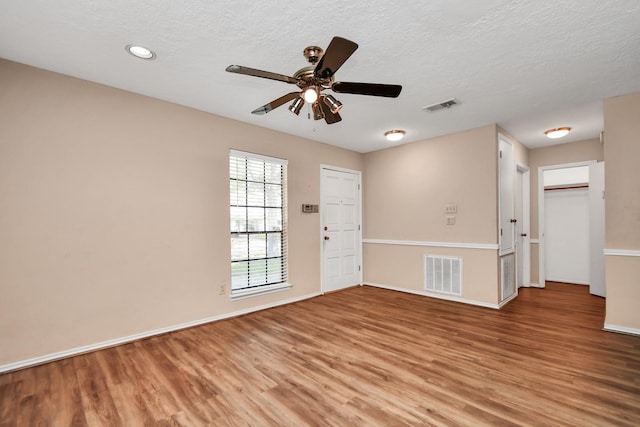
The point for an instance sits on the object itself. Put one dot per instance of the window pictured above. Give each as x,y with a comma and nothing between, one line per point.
258,223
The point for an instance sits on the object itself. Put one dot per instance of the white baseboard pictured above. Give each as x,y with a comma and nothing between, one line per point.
572,282
508,300
435,295
621,329
118,341
532,285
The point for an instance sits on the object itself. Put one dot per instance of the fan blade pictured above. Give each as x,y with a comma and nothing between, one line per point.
338,51
239,69
329,116
373,89
276,103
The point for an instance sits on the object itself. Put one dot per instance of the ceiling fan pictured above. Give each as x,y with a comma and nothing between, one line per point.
314,79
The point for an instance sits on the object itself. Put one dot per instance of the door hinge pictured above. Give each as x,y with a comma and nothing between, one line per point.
358,227
358,268
501,231
358,186
500,153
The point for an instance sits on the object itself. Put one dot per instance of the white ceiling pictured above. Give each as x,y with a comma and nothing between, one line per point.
527,66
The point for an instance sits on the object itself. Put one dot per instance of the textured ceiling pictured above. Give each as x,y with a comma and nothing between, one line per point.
527,66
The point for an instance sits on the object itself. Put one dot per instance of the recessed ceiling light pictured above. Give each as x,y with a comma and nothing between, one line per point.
557,132
140,52
394,135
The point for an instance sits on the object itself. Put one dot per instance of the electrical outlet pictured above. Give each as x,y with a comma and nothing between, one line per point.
223,289
451,208
451,220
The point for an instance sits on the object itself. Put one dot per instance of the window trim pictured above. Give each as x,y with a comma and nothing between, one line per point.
259,290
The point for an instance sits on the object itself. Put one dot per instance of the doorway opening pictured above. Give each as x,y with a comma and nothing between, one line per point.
569,224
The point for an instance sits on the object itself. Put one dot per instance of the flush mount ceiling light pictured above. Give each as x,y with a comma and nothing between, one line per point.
557,132
140,52
394,135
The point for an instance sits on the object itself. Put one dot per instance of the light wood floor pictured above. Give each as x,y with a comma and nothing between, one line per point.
360,357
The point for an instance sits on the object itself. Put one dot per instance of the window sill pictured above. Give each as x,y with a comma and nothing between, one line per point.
262,290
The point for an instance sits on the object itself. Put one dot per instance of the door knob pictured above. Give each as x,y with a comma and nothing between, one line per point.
523,235
326,237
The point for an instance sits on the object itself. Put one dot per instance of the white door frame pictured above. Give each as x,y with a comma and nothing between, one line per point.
541,245
597,276
525,197
324,167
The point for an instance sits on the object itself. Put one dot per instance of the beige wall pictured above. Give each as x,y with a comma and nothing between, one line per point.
622,183
115,212
571,152
402,267
406,189
623,293
115,216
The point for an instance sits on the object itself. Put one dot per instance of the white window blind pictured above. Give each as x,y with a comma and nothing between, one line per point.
258,221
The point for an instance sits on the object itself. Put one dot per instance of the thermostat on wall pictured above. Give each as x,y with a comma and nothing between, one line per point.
309,208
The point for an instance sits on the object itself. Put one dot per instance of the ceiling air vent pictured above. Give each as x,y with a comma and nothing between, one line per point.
440,105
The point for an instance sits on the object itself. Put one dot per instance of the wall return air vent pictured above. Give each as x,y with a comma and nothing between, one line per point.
443,274
441,105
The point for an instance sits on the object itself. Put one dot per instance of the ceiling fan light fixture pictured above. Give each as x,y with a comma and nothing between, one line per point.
310,94
312,80
334,104
317,111
140,52
296,106
394,135
557,132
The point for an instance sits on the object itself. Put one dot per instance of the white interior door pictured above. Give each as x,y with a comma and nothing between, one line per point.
506,183
567,235
340,234
596,229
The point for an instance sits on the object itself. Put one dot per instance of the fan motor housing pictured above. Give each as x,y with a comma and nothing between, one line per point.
313,54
